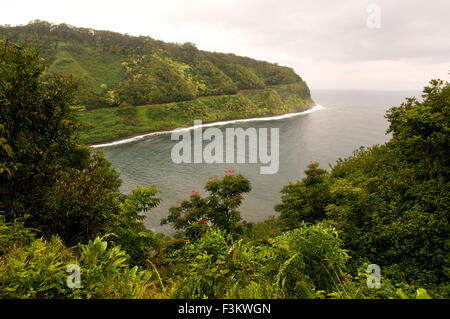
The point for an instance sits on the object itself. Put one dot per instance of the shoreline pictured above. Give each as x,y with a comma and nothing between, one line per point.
141,136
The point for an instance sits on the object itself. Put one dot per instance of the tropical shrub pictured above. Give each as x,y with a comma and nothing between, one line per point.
36,270
318,259
39,270
217,267
305,201
219,208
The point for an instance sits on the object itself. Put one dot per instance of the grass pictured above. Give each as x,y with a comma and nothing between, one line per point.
86,63
106,124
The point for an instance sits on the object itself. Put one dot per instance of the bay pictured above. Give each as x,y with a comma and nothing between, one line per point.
345,121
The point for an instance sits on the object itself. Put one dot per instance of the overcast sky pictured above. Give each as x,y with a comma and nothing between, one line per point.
330,44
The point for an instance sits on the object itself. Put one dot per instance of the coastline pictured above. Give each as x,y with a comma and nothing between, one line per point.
141,136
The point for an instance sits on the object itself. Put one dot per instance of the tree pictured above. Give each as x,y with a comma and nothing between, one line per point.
422,129
305,201
128,227
219,209
37,124
47,180
391,201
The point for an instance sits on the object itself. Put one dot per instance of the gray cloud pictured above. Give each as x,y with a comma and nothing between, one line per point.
333,30
327,42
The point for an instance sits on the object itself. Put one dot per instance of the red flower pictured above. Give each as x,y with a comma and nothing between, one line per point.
215,176
202,217
185,216
67,121
205,222
176,203
210,177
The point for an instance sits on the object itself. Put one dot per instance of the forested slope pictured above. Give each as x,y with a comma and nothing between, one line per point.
110,68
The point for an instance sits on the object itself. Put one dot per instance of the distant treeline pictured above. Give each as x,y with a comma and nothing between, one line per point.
109,68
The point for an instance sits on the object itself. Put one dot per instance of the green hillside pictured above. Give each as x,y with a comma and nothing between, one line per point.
109,68
172,84
105,124
86,63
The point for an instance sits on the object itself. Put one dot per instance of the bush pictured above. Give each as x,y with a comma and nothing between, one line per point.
216,267
38,270
318,259
14,233
219,209
305,201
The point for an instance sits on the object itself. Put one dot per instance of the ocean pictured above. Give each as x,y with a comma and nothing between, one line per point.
343,122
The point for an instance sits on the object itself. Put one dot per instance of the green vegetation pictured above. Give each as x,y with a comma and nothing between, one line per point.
390,201
219,209
109,68
60,205
113,73
128,120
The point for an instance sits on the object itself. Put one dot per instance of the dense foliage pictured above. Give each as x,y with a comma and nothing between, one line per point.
128,120
390,201
109,68
173,84
61,209
219,209
47,181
